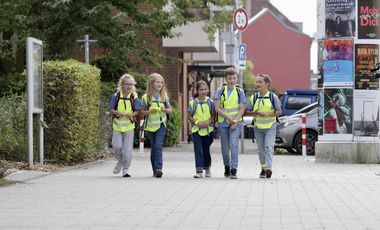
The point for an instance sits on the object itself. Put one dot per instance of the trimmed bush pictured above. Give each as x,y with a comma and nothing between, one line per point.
72,95
173,127
13,127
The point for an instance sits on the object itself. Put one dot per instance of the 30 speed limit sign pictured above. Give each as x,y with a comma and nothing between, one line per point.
240,19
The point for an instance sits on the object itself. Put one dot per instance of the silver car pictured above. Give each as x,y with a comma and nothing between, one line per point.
289,132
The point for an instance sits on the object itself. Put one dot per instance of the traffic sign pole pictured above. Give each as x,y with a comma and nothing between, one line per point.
241,24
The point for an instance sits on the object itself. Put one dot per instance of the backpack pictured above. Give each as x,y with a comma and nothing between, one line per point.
271,97
131,99
196,103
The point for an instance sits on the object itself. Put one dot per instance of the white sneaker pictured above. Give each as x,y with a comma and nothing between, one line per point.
198,175
377,173
125,173
117,168
208,173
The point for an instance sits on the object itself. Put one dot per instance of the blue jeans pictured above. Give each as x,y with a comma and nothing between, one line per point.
229,139
265,139
202,151
156,142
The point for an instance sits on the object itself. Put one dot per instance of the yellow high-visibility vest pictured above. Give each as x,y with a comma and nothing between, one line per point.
123,124
153,121
263,105
202,113
230,104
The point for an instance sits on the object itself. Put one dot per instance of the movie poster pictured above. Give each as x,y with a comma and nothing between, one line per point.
368,19
366,114
340,18
338,62
337,117
366,55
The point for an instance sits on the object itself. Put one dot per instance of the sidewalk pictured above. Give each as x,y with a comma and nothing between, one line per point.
301,194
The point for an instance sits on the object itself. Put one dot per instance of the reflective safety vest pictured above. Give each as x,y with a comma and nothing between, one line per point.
202,113
123,124
229,104
263,104
153,121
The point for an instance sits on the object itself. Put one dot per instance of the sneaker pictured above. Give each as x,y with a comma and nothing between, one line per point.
117,168
268,173
158,174
233,174
198,175
227,171
208,173
125,173
263,174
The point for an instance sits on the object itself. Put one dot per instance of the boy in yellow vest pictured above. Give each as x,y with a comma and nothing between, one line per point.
230,106
265,110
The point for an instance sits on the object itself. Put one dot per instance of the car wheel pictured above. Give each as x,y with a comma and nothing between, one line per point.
311,138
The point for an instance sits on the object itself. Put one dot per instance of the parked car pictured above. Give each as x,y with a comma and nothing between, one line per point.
289,131
296,99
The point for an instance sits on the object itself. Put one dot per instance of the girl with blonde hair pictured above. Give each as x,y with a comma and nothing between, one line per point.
124,106
155,107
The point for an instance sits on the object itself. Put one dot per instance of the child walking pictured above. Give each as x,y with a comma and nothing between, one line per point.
201,114
265,107
124,106
155,106
230,106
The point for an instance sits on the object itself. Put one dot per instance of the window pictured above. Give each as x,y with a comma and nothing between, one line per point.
297,102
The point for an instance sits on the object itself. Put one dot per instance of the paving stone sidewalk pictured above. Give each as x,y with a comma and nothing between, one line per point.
301,194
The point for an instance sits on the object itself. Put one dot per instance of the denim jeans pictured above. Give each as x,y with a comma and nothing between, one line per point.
265,139
202,151
229,139
122,145
156,142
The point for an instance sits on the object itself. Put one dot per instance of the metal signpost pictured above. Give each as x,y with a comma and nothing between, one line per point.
241,24
86,42
34,57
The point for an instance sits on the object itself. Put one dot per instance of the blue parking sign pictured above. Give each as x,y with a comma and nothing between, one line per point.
242,52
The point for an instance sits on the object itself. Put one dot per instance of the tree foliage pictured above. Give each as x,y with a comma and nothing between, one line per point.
120,27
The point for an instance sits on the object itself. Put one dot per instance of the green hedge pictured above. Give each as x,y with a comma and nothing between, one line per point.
72,95
13,127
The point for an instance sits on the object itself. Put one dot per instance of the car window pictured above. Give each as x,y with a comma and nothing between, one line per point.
307,108
297,102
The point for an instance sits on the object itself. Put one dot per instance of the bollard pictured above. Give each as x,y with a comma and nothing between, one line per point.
303,134
141,146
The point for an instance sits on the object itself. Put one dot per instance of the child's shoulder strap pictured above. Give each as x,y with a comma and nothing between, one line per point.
117,98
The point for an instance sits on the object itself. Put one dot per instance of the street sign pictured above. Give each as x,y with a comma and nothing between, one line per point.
240,19
242,52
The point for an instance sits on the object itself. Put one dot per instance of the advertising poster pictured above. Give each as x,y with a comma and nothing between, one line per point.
320,63
340,18
366,115
368,19
320,111
337,117
366,55
338,62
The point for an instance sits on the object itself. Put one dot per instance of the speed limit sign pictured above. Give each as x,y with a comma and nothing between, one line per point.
240,19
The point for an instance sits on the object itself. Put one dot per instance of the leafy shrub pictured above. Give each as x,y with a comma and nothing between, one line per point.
13,127
111,68
72,95
173,127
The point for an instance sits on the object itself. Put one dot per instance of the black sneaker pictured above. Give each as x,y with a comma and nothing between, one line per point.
227,171
158,174
268,173
233,174
263,174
